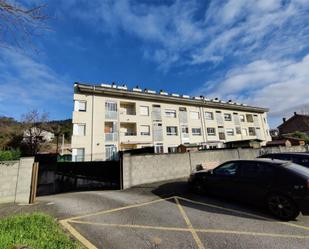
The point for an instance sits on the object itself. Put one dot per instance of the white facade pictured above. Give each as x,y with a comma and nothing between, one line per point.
107,119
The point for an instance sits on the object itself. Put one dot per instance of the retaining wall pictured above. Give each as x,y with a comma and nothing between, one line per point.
142,169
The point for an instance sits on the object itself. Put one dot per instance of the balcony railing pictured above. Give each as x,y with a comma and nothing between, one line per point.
128,112
111,115
110,137
128,134
185,135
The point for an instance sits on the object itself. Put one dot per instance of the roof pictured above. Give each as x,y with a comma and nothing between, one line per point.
244,140
298,122
137,93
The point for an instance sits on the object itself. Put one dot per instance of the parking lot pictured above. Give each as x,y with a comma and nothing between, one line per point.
183,220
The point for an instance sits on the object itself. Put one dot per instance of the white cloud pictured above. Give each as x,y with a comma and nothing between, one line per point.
28,84
186,32
282,86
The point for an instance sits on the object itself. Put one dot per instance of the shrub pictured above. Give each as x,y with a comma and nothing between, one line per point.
8,155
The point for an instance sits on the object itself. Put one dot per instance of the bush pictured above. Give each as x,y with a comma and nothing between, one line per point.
8,155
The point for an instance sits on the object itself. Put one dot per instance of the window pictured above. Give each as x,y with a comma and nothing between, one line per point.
110,152
172,149
211,131
110,106
242,118
209,115
145,130
249,118
80,106
171,130
252,131
229,169
194,115
227,117
230,131
144,110
110,110
238,130
196,131
79,129
221,133
219,118
78,155
170,113
185,129
244,132
158,148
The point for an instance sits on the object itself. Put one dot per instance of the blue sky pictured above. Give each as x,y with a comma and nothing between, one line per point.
254,52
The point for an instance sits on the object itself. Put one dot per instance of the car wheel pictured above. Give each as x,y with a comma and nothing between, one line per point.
198,187
282,207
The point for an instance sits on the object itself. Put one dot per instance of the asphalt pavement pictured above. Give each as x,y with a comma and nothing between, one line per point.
166,215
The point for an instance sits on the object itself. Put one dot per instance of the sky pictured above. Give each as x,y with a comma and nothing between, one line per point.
251,51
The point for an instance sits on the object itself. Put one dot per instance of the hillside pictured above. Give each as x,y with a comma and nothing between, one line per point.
11,130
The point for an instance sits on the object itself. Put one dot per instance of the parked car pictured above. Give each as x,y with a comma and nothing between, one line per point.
282,187
299,158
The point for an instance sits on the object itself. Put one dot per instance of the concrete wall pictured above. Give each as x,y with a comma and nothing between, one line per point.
15,180
153,168
141,169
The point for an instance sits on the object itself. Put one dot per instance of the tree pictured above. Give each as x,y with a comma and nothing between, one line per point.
34,126
19,24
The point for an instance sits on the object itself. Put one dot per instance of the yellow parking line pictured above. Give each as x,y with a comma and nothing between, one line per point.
253,233
133,226
77,235
188,222
293,225
120,208
245,213
176,229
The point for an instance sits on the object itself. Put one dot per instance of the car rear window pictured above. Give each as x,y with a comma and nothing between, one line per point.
298,169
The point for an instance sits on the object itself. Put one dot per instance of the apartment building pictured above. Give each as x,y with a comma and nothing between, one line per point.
110,118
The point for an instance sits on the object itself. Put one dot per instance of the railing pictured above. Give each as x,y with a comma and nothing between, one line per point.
185,135
127,134
111,115
111,137
128,112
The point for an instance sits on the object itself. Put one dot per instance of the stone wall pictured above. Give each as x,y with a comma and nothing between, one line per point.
15,180
141,169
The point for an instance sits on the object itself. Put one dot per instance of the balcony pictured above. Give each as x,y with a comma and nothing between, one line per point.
111,115
111,137
127,108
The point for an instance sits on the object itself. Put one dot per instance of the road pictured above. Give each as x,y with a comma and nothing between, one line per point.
166,215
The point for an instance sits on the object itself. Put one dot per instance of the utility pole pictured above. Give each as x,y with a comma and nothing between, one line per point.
62,146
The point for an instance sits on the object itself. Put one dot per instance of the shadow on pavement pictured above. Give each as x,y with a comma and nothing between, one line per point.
213,204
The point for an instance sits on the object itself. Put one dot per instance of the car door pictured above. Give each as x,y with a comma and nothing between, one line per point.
222,180
254,181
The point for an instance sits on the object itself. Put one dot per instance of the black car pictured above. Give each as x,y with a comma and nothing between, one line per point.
282,187
299,158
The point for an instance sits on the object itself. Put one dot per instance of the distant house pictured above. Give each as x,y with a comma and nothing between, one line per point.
286,141
247,143
43,135
298,122
188,147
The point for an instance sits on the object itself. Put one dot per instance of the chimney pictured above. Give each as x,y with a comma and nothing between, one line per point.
295,113
284,119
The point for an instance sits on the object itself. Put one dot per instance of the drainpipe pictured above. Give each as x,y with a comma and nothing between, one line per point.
92,111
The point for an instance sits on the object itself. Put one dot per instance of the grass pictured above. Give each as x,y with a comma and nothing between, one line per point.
35,231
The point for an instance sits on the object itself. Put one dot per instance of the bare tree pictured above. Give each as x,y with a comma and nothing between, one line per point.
34,126
19,24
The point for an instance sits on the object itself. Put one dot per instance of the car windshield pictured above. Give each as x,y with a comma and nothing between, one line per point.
298,168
